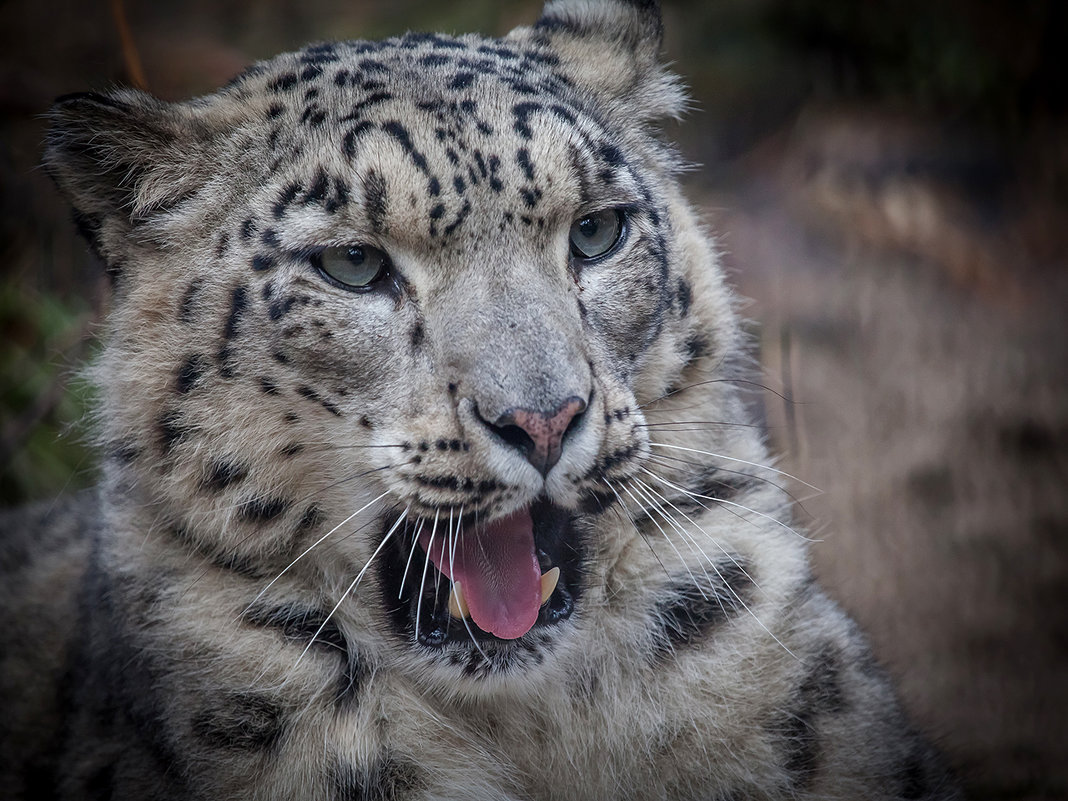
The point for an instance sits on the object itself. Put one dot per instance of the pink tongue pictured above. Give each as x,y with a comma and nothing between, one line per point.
498,572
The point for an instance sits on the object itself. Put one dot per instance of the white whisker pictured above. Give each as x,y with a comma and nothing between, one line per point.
351,587
422,581
667,539
744,508
312,547
736,459
411,553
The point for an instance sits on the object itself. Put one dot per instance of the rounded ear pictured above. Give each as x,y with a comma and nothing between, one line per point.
631,25
123,153
612,47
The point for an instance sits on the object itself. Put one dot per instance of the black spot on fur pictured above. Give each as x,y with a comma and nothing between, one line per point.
171,431
264,510
267,386
522,158
522,112
531,196
311,72
689,611
125,452
262,261
697,346
820,693
387,779
400,133
418,334
223,475
375,199
285,200
283,83
309,393
461,215
683,297
311,518
462,80
316,193
245,721
238,305
359,108
248,228
348,144
187,309
189,372
280,308
308,626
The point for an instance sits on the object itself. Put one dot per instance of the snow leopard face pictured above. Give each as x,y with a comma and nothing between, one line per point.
388,316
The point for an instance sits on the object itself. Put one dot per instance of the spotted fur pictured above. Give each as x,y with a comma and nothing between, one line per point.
243,610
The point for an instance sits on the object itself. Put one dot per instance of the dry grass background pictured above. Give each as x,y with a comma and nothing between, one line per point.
907,270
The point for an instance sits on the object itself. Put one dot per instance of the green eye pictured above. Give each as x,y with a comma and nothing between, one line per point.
596,234
352,267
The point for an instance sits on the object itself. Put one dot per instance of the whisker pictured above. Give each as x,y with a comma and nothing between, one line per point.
694,548
663,462
351,587
746,381
422,581
721,423
701,528
312,547
415,546
740,600
736,459
471,634
667,539
634,525
728,503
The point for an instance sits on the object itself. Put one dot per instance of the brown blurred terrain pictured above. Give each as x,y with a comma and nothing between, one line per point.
889,186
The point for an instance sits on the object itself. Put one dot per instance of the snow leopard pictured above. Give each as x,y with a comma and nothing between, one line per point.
428,470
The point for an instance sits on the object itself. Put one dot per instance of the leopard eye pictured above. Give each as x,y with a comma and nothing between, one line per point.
594,235
352,266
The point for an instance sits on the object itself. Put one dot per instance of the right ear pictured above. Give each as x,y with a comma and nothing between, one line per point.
121,157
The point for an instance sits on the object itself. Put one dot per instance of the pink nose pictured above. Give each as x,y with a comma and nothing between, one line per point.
537,434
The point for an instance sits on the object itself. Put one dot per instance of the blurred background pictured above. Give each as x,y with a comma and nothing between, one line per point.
889,185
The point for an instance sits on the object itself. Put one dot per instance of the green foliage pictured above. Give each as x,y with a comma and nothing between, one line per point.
42,405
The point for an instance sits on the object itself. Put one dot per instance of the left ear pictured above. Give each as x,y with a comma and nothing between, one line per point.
613,48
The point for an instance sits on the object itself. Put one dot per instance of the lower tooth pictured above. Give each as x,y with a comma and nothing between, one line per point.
549,580
457,604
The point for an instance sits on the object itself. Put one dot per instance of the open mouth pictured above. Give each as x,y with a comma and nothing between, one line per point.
466,580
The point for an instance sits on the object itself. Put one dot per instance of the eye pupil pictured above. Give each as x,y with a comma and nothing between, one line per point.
352,267
595,235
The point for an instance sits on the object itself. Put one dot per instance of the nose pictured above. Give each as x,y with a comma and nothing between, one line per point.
539,435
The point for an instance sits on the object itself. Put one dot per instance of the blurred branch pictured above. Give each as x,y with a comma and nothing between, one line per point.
130,57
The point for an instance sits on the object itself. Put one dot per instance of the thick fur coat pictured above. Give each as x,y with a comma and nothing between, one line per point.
390,313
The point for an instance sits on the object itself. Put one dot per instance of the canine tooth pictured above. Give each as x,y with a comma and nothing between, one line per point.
457,604
549,580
